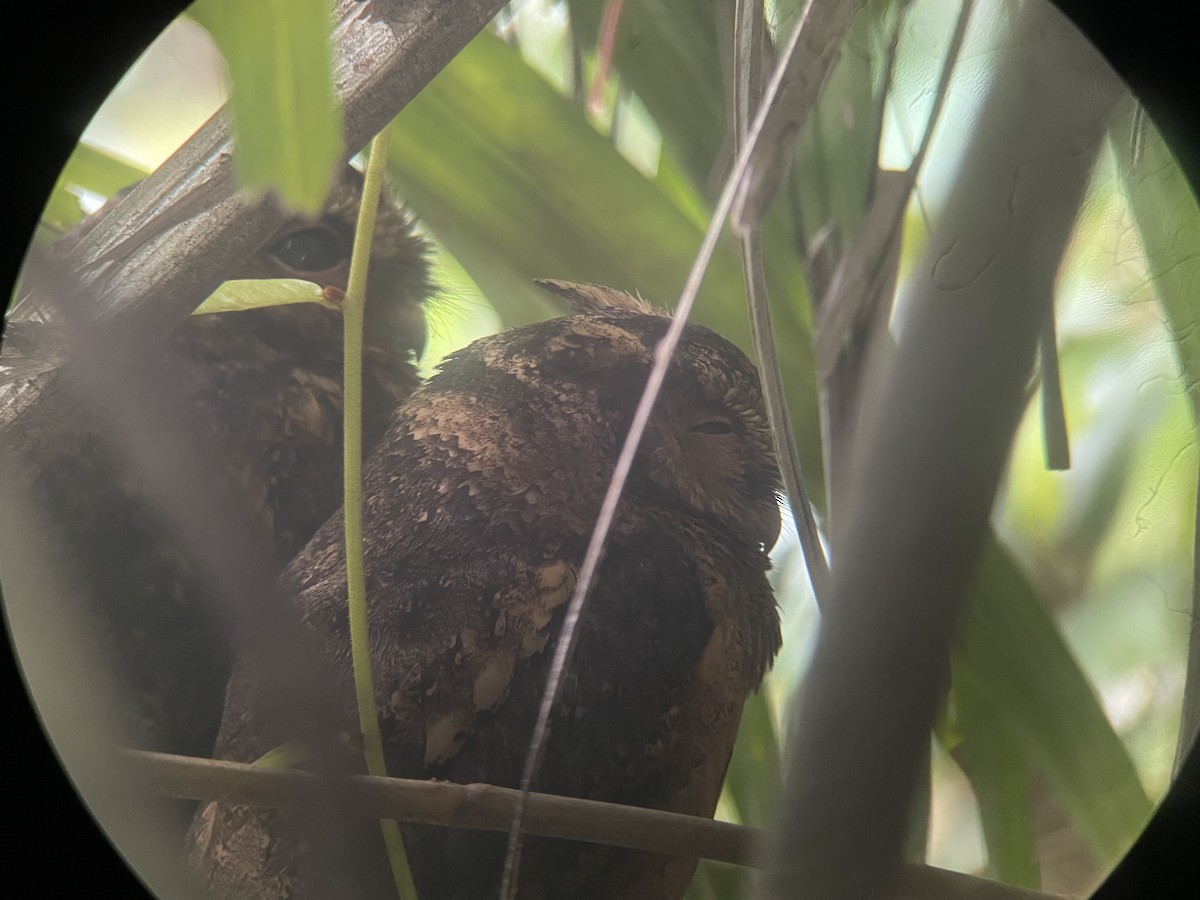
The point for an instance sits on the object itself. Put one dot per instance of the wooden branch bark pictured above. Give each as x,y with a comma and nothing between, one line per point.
490,808
164,248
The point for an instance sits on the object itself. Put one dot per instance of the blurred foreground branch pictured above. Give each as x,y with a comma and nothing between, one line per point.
137,395
935,436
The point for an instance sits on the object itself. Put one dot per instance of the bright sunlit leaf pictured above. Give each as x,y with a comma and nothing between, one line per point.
288,126
256,293
89,173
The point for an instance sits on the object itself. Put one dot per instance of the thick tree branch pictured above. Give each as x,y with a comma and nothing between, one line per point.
166,246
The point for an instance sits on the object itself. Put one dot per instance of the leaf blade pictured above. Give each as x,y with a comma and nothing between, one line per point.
289,129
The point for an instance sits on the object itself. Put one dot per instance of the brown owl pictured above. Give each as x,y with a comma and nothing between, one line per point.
263,389
478,505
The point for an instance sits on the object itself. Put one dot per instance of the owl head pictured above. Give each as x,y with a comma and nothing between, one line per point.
708,444
544,409
318,250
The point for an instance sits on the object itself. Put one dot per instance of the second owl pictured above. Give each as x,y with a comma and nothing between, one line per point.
478,505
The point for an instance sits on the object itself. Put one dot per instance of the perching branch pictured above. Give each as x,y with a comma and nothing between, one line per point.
490,808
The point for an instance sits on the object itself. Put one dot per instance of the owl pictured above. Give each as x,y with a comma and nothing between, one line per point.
263,389
478,505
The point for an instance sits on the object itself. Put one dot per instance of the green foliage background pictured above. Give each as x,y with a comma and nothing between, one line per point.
1068,677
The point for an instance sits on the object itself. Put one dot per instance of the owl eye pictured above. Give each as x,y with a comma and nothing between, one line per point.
314,249
713,426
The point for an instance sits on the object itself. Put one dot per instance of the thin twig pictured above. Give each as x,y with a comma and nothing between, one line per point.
662,359
610,22
489,808
1137,134
780,418
862,268
853,298
356,582
1055,439
810,55
751,34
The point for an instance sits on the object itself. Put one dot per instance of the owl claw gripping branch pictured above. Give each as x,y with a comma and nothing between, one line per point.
478,504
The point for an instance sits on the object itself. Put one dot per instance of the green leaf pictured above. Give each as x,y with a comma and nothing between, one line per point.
1013,672
256,293
995,765
837,152
719,881
667,54
88,170
1168,221
753,783
291,754
289,129
516,184
285,756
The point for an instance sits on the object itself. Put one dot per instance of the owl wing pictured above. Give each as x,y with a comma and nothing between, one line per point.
478,505
647,712
459,672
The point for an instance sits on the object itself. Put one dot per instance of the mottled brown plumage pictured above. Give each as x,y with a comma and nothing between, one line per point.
479,502
262,389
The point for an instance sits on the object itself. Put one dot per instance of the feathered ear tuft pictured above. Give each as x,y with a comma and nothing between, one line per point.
593,298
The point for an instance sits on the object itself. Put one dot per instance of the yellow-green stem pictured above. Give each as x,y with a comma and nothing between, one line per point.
360,647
